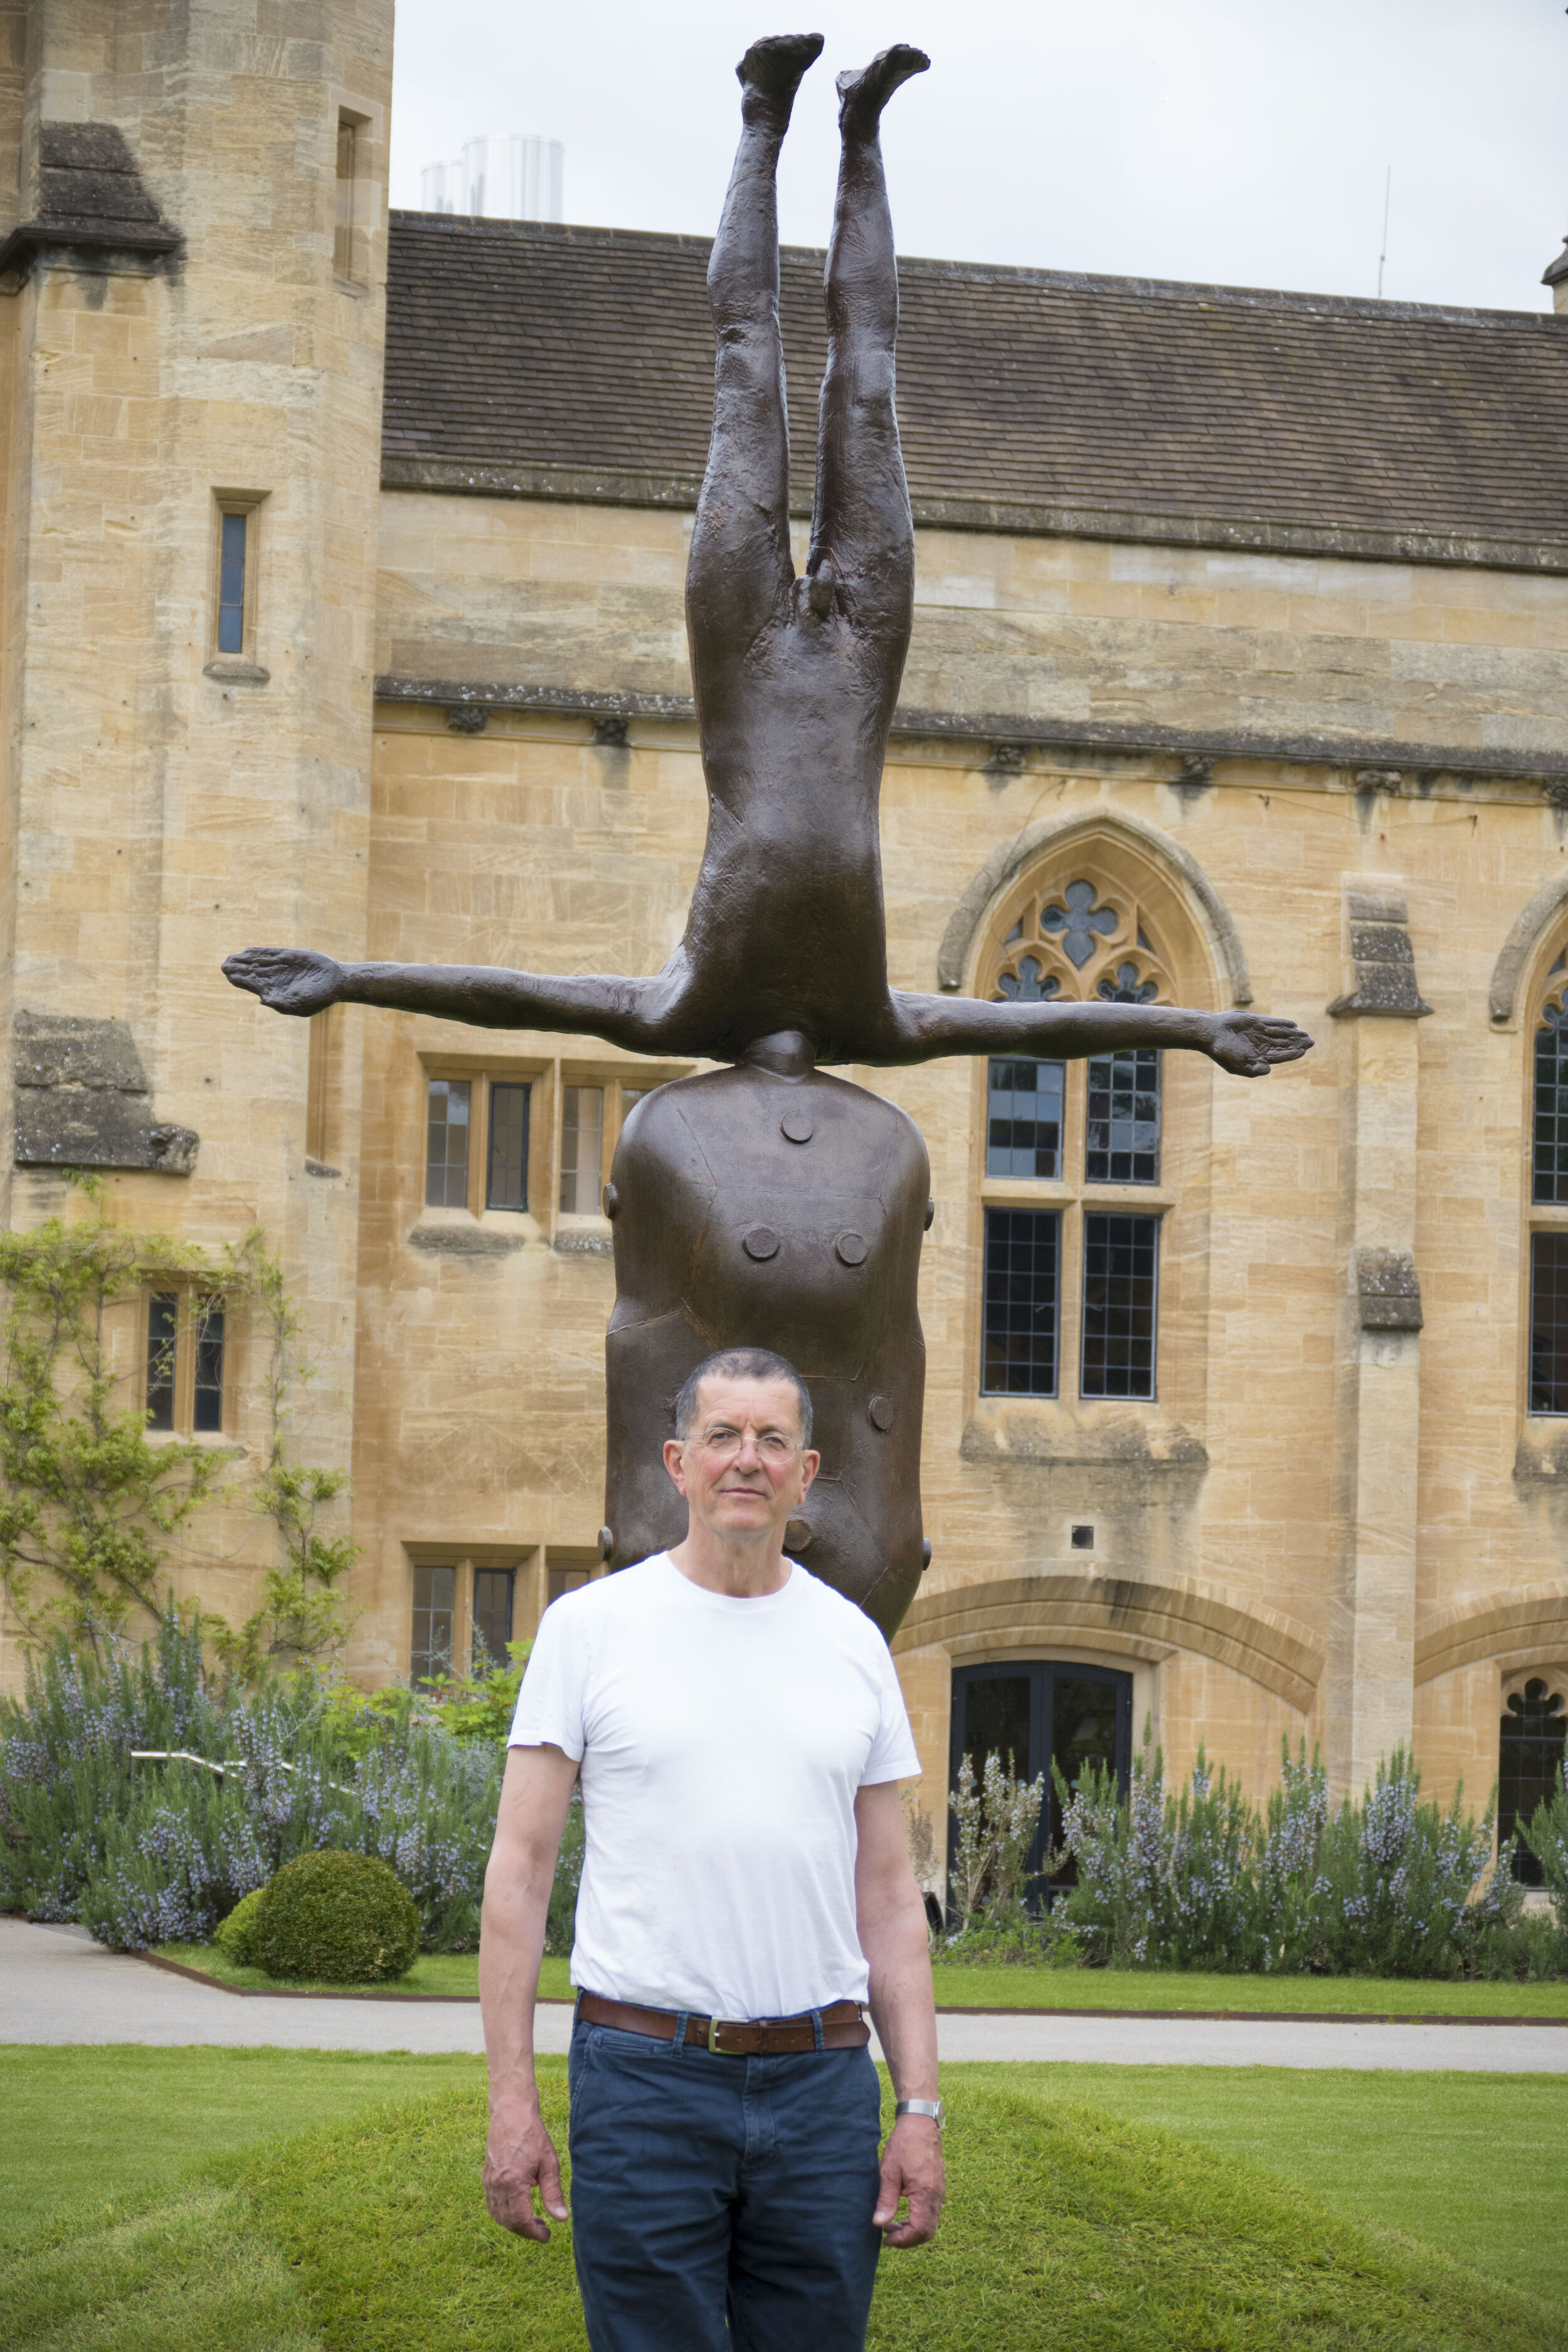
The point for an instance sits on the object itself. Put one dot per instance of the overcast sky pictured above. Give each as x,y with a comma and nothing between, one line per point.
1237,141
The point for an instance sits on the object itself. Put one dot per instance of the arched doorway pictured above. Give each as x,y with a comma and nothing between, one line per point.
1040,1710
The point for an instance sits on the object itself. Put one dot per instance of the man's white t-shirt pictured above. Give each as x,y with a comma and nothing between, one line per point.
723,1743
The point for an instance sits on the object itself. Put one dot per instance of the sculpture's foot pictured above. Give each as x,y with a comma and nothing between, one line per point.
770,74
862,96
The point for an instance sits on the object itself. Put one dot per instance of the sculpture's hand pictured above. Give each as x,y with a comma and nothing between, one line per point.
288,980
1249,1043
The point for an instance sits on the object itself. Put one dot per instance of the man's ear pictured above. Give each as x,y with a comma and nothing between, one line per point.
673,1451
810,1463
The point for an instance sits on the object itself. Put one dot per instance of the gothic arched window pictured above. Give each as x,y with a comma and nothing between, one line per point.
1080,1269
1548,1190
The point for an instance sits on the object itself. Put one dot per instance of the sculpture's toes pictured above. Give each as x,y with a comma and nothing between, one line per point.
774,66
862,96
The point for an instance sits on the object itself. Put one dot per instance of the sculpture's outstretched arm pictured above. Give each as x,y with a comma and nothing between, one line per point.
640,1014
1247,1044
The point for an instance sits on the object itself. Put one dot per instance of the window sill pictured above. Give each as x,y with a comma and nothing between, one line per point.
584,1237
1134,1434
212,1441
229,669
1049,1191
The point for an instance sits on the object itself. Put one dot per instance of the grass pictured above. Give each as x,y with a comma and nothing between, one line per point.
1466,2160
1015,1988
443,1975
99,2131
1069,2230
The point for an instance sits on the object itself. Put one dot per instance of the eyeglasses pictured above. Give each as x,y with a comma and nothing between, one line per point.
722,1444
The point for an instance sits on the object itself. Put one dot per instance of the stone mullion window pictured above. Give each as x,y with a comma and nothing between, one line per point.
1546,1378
1087,1129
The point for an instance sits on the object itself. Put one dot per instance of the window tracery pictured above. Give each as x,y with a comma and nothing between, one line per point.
1088,939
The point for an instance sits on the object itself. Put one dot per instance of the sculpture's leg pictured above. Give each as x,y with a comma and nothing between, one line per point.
862,539
740,574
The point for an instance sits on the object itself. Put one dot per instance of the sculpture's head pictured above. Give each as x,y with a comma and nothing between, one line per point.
743,1456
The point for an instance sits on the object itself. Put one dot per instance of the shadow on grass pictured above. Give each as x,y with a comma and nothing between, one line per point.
1065,2231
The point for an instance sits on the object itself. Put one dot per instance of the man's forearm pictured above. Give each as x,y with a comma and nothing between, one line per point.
511,1945
903,2009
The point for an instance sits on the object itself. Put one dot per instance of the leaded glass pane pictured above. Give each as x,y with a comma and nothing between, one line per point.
581,1142
1121,1143
447,1145
1023,1250
231,585
1530,1766
1023,1118
434,1603
208,1411
492,1616
1550,1158
1549,1323
1120,1265
506,1185
163,1323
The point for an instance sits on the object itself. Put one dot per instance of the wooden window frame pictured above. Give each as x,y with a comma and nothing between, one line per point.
187,1294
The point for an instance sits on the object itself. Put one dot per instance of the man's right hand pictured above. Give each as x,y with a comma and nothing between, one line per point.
520,2157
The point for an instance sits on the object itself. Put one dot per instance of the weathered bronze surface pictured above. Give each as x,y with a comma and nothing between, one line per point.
769,1204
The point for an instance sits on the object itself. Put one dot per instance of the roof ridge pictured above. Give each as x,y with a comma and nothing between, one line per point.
998,273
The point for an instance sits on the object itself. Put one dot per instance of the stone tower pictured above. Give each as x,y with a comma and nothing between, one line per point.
193,246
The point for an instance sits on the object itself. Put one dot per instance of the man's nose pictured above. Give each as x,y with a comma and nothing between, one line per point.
749,1456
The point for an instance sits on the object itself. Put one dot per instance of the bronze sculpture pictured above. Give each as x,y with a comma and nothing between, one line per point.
768,1203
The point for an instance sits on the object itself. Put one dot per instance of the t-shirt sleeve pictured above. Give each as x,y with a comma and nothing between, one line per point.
893,1756
551,1705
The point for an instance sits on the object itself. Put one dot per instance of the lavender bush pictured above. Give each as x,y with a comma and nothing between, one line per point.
1199,1877
159,1853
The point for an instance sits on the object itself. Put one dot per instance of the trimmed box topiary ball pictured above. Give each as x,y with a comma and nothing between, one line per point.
344,1918
233,1936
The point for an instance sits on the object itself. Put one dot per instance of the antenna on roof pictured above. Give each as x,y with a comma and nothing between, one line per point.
1383,257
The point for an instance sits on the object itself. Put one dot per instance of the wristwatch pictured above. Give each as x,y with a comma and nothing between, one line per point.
934,2109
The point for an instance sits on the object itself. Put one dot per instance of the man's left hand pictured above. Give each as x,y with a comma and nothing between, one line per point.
911,2167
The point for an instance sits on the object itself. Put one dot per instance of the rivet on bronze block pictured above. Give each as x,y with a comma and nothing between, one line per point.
761,1242
797,1126
851,1249
881,1412
606,1543
612,1201
930,1211
925,1554
797,1535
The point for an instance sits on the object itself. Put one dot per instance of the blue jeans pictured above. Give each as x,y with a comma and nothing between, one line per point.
707,2188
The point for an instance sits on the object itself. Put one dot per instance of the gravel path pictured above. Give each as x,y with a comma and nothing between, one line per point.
57,1985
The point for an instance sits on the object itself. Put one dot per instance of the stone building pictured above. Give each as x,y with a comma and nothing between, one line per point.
343,568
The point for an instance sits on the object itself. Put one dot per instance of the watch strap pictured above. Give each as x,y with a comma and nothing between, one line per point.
934,2109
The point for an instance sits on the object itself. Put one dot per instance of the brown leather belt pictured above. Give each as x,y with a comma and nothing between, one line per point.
843,2028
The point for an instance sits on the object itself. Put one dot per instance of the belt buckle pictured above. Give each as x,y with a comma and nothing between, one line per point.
715,2027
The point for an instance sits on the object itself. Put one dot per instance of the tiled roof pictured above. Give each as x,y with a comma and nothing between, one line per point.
578,362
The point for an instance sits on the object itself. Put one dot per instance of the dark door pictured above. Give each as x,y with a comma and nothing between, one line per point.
1034,1710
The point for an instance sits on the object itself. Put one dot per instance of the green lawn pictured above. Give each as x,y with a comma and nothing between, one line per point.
1073,2226
447,1974
1469,2162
